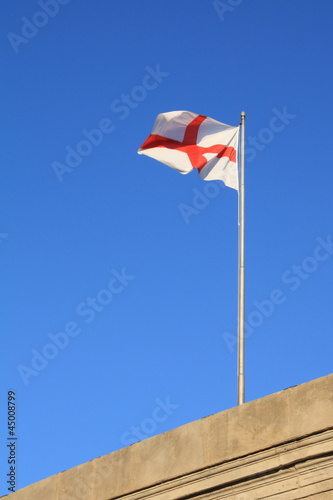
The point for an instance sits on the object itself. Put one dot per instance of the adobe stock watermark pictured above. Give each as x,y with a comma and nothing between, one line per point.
87,309
30,27
222,8
3,236
293,278
201,199
162,411
85,485
277,124
121,107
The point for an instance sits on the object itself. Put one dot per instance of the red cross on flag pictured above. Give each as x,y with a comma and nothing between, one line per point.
184,141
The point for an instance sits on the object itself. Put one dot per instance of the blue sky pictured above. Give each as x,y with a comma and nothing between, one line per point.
133,303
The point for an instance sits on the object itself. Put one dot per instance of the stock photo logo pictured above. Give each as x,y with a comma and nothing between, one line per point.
276,125
30,27
200,200
293,278
88,309
162,411
222,8
121,107
3,236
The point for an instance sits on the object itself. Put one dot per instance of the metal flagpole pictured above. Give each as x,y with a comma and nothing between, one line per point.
241,270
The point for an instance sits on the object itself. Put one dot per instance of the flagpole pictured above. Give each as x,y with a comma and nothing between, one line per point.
241,269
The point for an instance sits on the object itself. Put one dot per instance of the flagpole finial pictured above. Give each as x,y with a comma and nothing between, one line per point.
243,114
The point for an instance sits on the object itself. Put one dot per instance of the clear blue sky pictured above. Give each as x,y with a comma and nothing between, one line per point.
133,304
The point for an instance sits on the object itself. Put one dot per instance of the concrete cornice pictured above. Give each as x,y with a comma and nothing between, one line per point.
263,440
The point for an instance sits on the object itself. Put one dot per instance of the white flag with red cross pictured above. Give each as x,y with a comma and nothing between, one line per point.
186,141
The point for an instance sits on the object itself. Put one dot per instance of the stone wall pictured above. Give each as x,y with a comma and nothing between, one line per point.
279,447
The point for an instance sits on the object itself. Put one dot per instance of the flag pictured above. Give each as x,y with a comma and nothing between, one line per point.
186,141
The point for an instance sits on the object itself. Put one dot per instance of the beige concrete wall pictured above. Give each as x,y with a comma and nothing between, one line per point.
277,447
